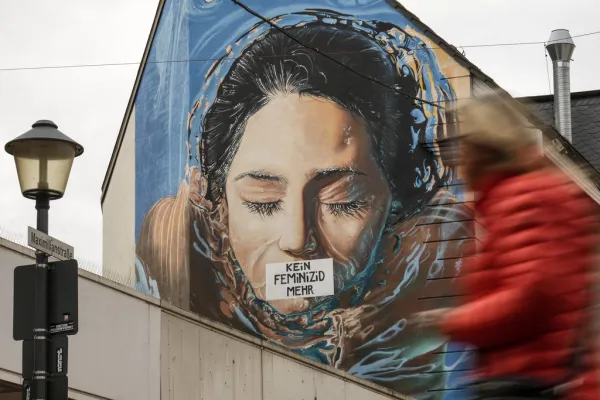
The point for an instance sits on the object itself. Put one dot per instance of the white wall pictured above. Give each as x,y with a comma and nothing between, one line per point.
118,214
115,355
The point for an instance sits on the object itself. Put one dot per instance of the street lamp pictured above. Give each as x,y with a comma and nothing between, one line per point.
43,157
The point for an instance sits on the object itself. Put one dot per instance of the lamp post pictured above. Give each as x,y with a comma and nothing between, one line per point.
43,157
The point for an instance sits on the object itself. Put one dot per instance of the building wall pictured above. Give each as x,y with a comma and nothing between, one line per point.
115,355
207,253
131,346
11,255
118,210
117,352
201,361
480,88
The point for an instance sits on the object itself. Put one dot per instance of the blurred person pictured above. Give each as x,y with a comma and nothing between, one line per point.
528,290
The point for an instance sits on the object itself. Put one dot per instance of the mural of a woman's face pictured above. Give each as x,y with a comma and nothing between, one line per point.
304,185
347,170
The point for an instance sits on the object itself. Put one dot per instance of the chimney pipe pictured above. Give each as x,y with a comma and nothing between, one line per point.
560,47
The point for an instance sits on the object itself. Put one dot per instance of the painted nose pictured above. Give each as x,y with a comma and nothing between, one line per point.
297,236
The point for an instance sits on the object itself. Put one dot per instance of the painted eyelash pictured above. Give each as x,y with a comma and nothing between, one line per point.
337,209
264,209
346,209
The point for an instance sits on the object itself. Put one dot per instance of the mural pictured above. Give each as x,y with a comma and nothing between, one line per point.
271,131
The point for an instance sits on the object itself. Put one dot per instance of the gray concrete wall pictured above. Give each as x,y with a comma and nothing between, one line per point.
204,360
11,255
117,350
133,347
115,355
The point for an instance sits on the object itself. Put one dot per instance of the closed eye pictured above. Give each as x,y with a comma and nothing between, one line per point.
351,209
264,209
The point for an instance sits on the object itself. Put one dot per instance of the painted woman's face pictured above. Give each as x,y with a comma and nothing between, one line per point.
304,185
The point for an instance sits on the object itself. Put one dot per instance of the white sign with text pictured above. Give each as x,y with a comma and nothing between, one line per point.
309,278
49,245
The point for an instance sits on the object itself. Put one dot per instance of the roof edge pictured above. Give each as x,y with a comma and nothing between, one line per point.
550,97
131,103
473,69
444,45
551,133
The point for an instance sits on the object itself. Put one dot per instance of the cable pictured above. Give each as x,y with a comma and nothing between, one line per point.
548,71
472,46
72,66
103,65
519,43
118,64
586,34
341,64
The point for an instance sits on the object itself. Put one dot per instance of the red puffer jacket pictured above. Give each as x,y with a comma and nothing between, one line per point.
529,289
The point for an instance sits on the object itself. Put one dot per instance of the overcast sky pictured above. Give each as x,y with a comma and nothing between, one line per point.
88,103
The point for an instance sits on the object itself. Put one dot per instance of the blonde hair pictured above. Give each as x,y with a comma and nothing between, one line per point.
498,136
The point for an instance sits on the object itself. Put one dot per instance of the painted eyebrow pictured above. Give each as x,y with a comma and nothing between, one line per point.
263,176
325,173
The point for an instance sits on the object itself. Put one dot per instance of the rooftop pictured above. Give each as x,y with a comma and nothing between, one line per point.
585,110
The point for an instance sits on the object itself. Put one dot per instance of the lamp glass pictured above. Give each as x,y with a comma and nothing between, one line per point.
43,166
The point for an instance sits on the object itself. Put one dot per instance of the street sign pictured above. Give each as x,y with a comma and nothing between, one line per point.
47,352
58,387
49,245
27,361
62,303
58,355
23,302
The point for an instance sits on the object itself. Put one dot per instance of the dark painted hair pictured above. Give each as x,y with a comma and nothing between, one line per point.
275,63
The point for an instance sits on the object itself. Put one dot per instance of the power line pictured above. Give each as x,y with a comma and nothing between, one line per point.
341,64
586,34
548,71
472,46
523,43
68,66
120,64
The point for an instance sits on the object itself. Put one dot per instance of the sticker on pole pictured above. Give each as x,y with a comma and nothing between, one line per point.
309,278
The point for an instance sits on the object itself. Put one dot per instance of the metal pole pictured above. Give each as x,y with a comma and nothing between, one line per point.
40,331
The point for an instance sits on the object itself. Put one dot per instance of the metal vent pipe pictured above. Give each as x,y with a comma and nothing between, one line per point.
560,47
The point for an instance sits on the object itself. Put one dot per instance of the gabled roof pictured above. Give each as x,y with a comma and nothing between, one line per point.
450,49
585,114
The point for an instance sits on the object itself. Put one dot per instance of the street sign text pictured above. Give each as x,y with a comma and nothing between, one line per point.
53,247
